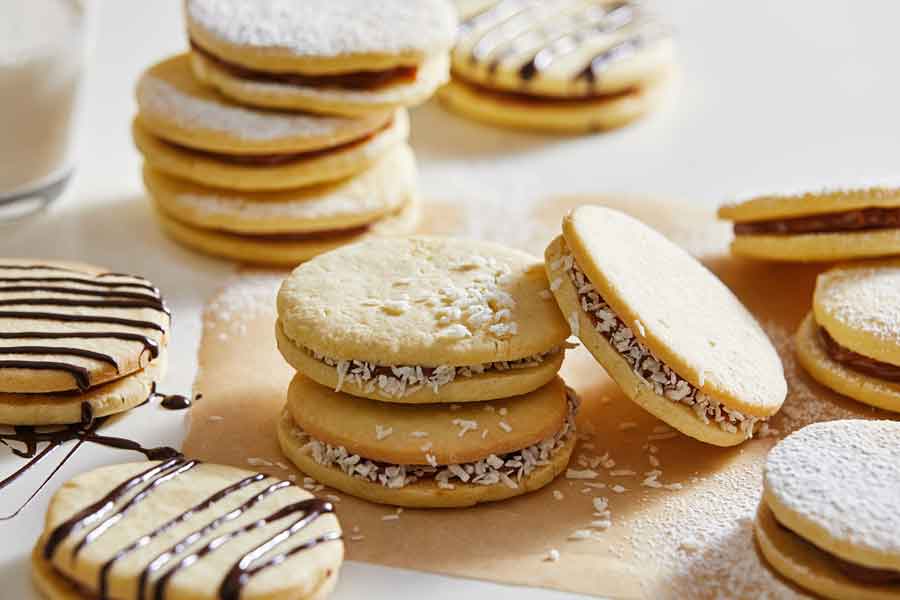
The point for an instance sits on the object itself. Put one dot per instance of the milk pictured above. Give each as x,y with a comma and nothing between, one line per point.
41,58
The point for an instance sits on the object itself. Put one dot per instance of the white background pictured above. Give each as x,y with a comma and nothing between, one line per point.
772,94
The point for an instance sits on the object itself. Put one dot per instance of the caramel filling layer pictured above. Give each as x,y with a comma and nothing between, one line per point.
357,80
857,362
863,219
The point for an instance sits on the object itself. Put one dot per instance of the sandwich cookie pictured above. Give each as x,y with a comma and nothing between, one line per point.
572,66
76,341
830,511
270,171
431,455
350,57
850,341
183,529
287,249
827,225
671,335
422,320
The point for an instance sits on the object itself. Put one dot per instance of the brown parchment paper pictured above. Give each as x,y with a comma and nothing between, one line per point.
694,542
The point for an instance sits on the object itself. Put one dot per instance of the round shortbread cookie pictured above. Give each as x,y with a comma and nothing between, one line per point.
767,206
174,106
421,301
841,378
501,381
68,407
352,202
859,305
440,434
837,486
123,524
66,327
818,247
676,309
423,493
561,116
325,100
307,169
565,49
287,250
322,36
805,564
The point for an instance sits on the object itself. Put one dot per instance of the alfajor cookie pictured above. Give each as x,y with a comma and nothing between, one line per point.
347,57
570,66
827,225
830,511
850,341
76,339
430,455
185,529
422,320
671,335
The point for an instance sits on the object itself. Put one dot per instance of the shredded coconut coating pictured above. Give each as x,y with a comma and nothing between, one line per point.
652,371
844,477
401,381
509,469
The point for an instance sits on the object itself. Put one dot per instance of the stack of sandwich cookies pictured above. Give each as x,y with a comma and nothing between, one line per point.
400,345
671,335
264,186
185,529
349,58
826,225
830,511
569,66
76,342
850,341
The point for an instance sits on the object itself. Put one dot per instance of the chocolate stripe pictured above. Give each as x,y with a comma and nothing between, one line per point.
81,375
149,344
65,318
82,281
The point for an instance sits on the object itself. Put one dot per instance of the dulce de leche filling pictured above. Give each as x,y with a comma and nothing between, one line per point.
855,361
357,80
862,219
665,382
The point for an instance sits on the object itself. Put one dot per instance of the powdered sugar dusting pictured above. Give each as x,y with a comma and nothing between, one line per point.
247,298
844,476
864,296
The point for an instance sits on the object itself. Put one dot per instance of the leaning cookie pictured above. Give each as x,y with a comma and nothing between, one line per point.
850,341
570,66
349,58
422,319
830,512
185,529
827,225
433,455
76,341
672,336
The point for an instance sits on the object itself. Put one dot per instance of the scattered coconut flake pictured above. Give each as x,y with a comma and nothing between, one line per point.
382,432
394,517
259,462
581,474
552,555
618,489
557,495
504,426
465,426
581,534
419,434
622,473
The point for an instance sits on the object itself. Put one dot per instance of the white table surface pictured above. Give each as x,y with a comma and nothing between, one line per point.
772,94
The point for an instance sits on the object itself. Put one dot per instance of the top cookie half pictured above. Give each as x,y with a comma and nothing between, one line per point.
422,309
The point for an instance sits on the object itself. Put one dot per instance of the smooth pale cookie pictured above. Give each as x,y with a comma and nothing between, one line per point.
408,434
287,172
174,106
67,327
831,508
185,529
288,250
348,203
521,111
832,224
67,407
672,336
412,320
349,57
432,484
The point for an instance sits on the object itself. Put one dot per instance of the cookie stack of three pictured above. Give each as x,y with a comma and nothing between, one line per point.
427,372
282,133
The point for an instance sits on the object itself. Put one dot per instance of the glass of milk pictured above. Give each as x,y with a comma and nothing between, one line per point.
42,52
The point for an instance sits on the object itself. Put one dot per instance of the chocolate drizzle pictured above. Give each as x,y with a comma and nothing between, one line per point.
856,361
98,292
